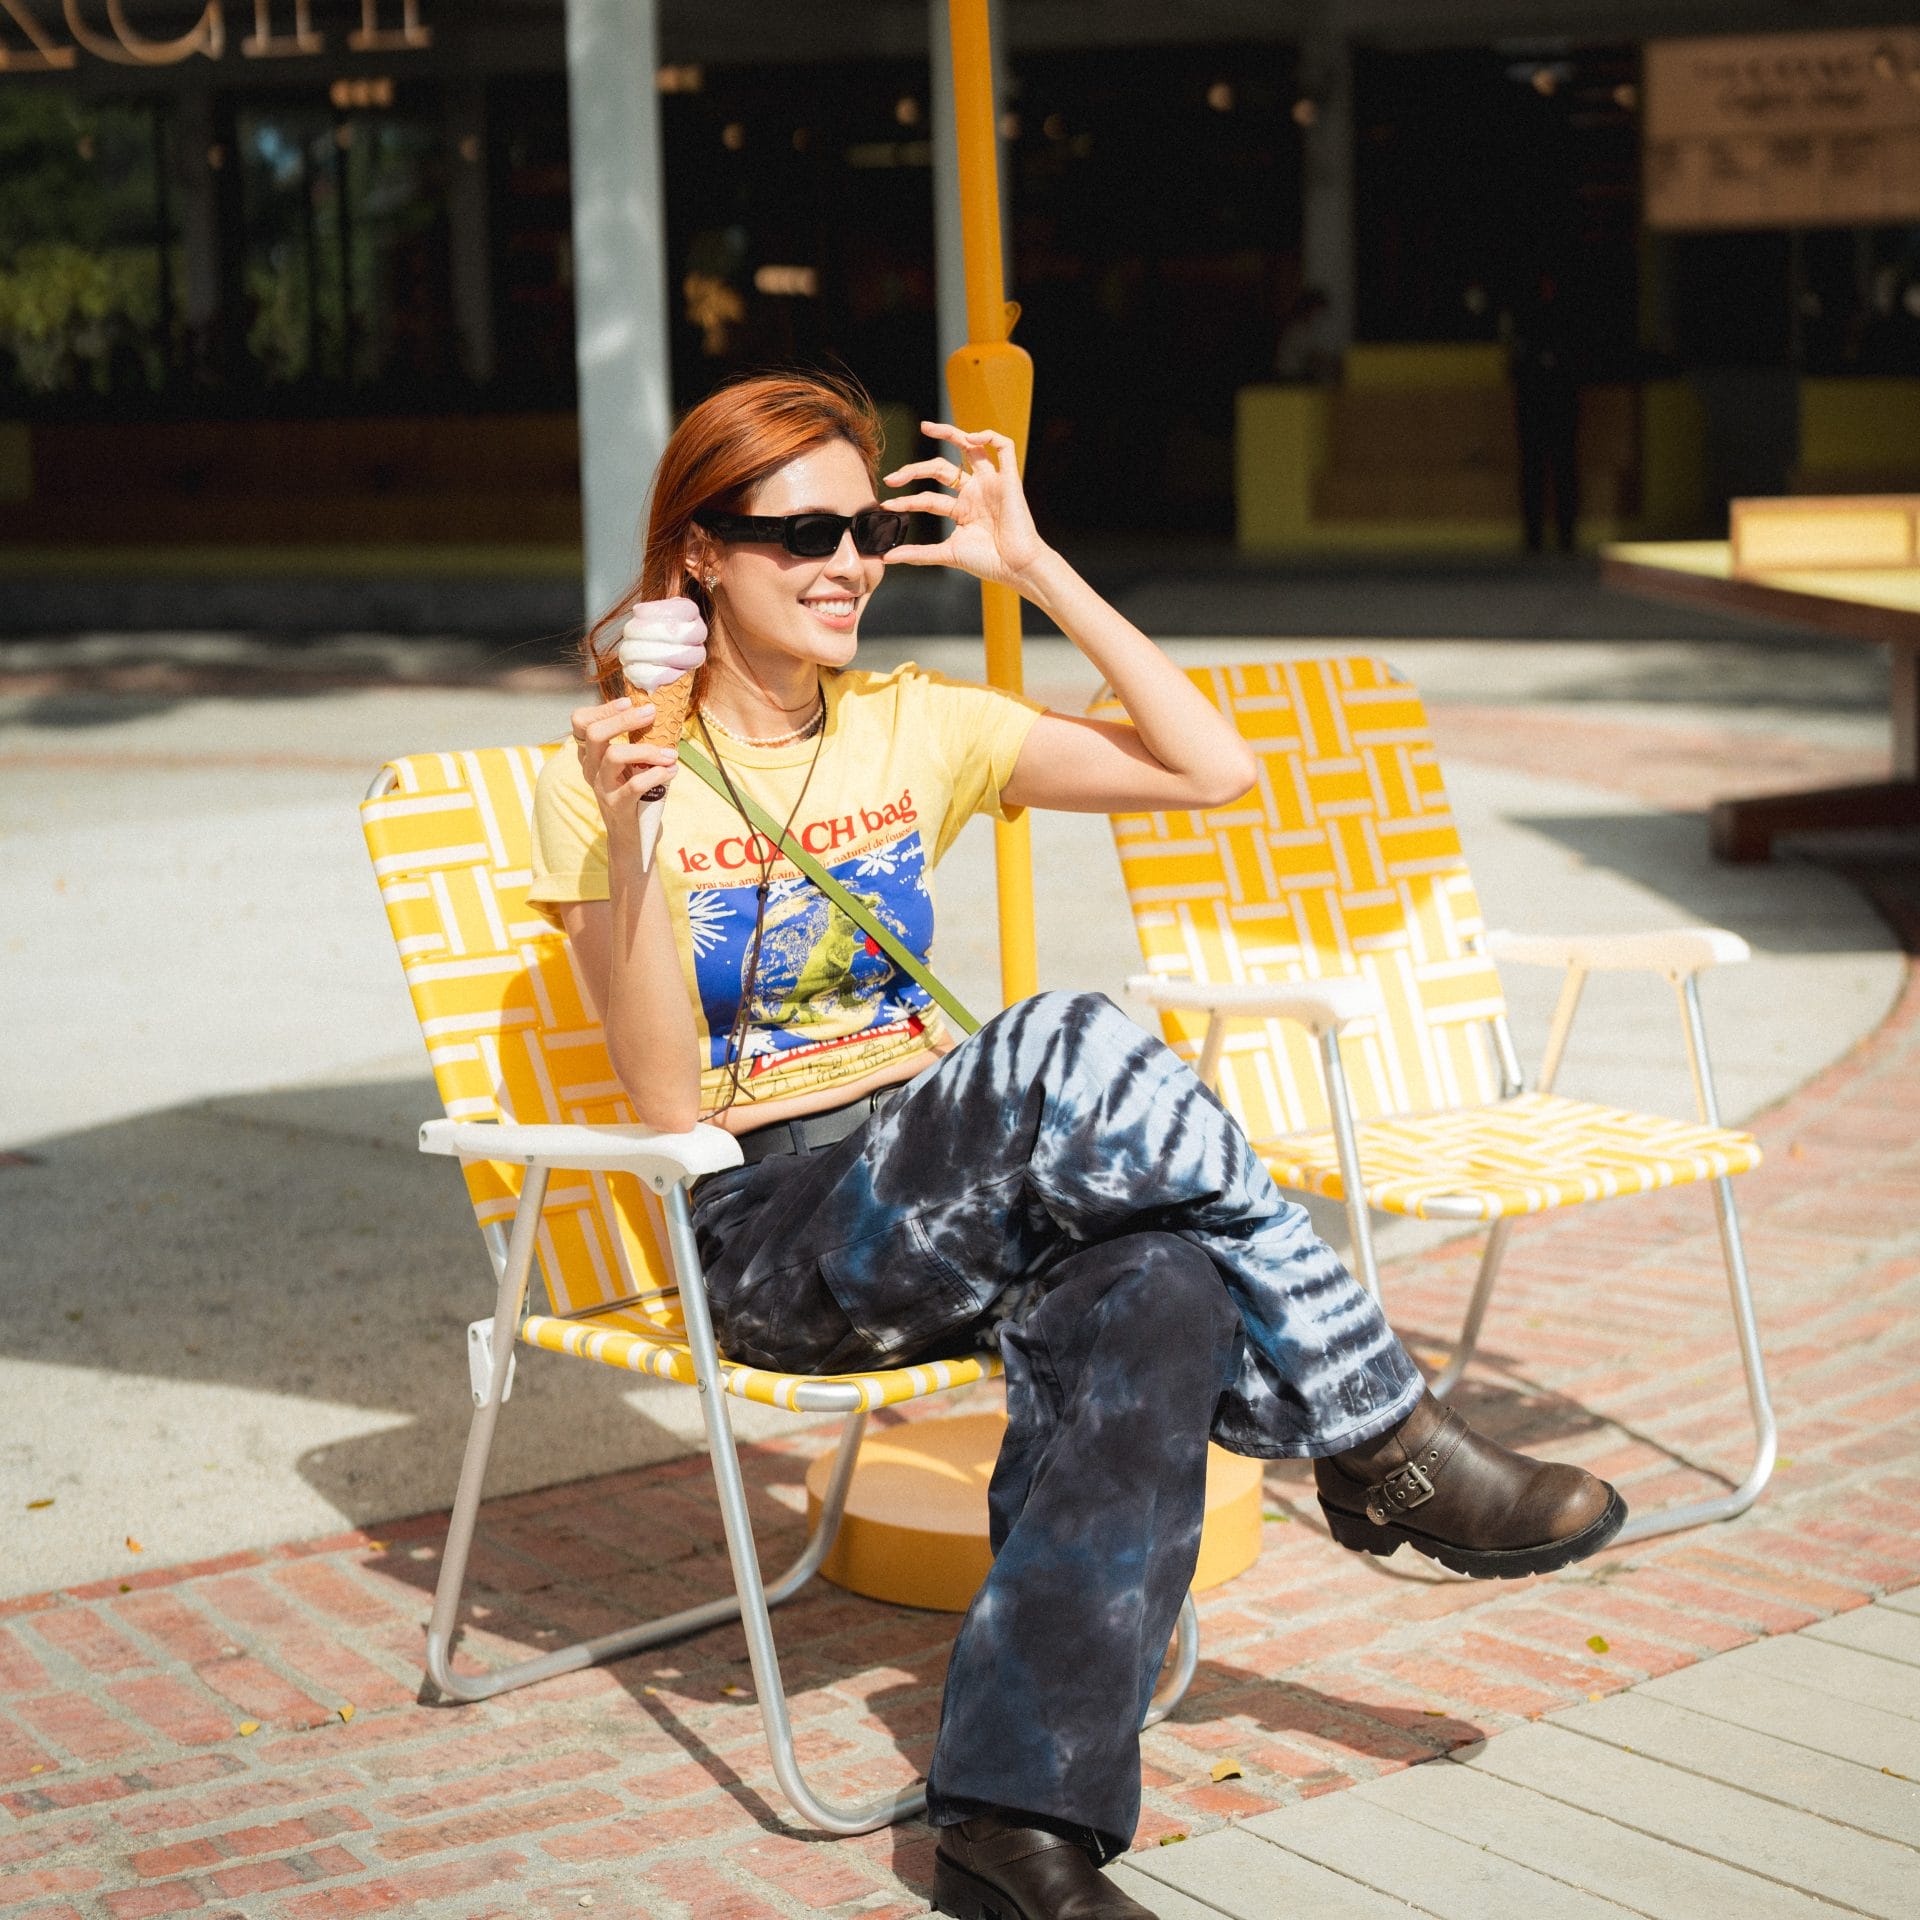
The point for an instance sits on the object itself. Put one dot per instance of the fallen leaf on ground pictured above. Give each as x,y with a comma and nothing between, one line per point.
736,1692
34,1506
1171,1839
1283,1518
346,1713
1226,1770
1598,1642
249,1727
1434,1713
38,1769
133,1545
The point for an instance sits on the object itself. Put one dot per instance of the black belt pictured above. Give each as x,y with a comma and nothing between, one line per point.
809,1132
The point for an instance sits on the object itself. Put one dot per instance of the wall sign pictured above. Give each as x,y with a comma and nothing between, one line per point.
1782,130
49,36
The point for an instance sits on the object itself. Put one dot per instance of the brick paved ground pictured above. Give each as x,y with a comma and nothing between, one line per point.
241,1738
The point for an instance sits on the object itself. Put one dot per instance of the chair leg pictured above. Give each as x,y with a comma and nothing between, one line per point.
1177,1676
1444,1382
510,1292
469,1687
1725,1506
753,1597
515,1271
827,1815
1347,1143
1694,1513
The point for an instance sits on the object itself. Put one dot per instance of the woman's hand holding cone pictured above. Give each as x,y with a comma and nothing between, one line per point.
629,747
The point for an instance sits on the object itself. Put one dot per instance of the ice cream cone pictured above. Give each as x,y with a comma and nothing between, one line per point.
661,649
670,707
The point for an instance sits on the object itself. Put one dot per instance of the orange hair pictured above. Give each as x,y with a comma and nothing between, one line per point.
735,438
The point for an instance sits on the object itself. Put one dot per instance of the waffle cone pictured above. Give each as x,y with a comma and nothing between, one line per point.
670,705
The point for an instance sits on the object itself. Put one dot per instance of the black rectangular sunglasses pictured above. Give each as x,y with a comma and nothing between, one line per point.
811,536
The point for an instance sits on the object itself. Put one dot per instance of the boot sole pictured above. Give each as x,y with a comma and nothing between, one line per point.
1356,1531
967,1897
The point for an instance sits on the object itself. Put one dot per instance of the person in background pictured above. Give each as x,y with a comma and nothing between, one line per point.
1541,358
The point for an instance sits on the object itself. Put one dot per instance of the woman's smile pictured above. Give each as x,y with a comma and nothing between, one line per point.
839,611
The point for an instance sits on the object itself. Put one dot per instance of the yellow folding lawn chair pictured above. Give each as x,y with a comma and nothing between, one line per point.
522,1069
1316,950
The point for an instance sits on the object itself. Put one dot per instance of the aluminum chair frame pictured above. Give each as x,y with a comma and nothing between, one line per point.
669,1163
1327,1006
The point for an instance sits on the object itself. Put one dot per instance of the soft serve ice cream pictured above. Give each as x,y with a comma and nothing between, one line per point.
661,648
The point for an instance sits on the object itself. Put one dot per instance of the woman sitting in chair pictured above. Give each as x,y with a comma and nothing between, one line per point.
1059,1185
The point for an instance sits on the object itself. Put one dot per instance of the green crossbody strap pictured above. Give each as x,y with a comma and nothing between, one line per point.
856,910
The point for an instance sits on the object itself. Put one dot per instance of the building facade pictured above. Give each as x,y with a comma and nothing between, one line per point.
301,272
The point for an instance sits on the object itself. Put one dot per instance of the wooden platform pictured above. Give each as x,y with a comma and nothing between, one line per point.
1777,1782
1877,604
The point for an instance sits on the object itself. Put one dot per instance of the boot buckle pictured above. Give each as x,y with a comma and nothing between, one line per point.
1402,1489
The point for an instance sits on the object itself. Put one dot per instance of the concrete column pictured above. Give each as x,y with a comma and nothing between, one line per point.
1327,246
619,279
468,239
950,292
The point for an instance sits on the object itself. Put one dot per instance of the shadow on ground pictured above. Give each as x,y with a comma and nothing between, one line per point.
293,1252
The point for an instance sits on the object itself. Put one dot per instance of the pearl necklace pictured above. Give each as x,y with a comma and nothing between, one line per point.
811,727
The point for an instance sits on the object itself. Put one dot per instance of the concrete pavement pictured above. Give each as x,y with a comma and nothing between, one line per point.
1770,1782
239,1736
232,1265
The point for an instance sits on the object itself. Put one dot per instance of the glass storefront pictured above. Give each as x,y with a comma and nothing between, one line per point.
261,240
344,250
89,264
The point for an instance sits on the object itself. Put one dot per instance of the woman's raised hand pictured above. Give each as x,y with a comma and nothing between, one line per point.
990,531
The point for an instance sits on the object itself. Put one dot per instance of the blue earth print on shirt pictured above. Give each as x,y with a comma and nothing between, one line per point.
823,980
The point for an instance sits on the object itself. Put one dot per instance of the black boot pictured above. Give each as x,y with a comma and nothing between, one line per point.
988,1868
1435,1485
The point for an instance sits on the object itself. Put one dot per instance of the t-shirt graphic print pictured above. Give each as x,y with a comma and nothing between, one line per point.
823,982
904,761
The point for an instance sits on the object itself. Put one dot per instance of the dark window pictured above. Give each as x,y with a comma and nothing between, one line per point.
1478,170
88,255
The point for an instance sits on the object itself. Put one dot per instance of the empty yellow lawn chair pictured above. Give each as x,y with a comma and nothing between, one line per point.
522,1069
1316,950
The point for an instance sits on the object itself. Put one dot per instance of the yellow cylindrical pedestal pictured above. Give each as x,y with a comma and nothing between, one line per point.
915,1530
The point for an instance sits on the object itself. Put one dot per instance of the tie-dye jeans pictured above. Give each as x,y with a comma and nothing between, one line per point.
1062,1185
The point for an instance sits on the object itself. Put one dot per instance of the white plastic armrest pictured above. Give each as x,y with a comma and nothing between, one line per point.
1671,950
662,1160
1324,1005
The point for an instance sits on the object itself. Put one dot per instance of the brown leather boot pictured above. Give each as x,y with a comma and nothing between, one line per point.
1435,1485
987,1868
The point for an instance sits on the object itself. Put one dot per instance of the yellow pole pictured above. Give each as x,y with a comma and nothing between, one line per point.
991,384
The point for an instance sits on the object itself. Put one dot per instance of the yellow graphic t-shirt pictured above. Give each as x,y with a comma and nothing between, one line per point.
906,759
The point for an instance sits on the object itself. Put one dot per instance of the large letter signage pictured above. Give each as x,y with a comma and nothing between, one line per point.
121,42
207,35
264,44
43,54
